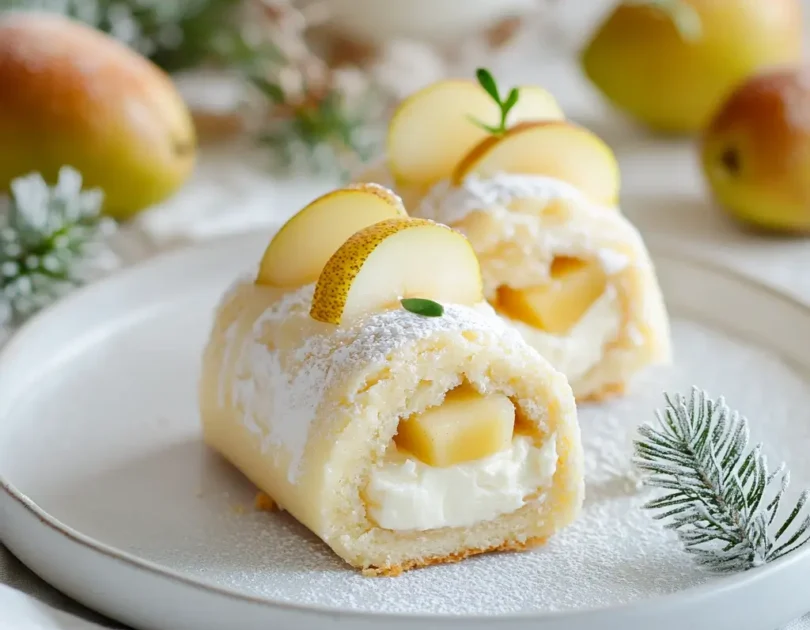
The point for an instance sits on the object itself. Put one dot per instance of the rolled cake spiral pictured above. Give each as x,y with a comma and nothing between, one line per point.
400,439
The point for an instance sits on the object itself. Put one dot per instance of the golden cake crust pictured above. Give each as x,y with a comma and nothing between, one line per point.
398,569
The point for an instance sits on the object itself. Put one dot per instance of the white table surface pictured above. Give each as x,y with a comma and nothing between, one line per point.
663,193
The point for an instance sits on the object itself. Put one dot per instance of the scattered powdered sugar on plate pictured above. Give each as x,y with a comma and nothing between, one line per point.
615,553
155,491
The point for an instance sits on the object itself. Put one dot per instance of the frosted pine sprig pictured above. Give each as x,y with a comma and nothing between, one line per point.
722,500
52,239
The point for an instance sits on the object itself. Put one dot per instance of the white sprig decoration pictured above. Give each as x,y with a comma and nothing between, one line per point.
52,239
722,500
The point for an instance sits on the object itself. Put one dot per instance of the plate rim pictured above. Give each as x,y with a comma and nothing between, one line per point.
656,244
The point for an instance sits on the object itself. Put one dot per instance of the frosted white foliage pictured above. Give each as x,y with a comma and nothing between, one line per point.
722,500
52,239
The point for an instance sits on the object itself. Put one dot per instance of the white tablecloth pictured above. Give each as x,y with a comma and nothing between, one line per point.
663,193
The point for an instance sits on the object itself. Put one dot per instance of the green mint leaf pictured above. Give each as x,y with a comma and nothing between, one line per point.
496,131
487,82
421,306
511,100
508,104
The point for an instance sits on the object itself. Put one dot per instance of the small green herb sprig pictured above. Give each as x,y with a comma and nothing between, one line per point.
722,499
487,81
422,306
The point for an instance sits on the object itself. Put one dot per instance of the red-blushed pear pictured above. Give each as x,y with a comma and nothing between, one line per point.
756,151
72,96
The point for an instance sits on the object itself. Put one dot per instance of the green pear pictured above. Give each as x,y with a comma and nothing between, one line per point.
756,151
70,95
671,63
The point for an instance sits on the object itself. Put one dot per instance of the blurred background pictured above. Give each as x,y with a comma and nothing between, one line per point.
266,104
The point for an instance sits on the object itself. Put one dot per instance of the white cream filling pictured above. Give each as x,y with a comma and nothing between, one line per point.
405,494
576,352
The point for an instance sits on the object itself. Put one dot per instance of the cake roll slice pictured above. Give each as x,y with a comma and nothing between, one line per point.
574,277
538,201
388,408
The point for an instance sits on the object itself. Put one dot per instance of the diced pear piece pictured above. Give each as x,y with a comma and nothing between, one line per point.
300,249
431,130
394,259
465,427
557,306
554,149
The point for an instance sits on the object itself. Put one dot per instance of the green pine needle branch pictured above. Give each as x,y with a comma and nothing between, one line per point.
52,239
722,499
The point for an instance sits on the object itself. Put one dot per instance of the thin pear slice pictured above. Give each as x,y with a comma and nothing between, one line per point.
394,259
554,149
300,249
431,131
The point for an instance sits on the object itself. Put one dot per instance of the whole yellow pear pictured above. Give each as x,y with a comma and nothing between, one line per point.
71,95
644,64
756,151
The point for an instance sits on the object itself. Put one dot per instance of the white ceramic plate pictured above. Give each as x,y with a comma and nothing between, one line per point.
109,494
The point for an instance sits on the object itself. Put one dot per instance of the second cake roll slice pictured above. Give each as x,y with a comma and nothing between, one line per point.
573,277
537,197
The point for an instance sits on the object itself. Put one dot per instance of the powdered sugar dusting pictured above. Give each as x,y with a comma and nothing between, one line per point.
450,204
612,261
524,228
281,391
159,494
614,554
278,404
373,339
